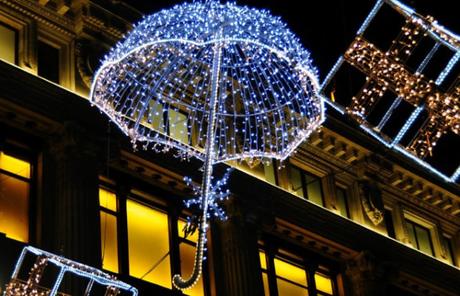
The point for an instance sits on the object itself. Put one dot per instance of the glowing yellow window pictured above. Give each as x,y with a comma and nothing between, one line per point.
7,44
109,242
187,256
14,165
180,226
178,126
291,280
148,244
323,283
153,116
14,197
107,199
109,235
263,265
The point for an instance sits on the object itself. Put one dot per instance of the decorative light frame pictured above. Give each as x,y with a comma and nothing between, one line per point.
31,288
239,76
387,71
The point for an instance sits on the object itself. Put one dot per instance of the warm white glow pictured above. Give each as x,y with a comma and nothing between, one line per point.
148,243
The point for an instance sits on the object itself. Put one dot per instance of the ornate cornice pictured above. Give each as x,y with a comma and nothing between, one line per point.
43,15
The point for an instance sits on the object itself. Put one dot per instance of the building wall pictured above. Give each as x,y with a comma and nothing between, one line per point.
341,217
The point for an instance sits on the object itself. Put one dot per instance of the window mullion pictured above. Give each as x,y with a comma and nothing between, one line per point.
271,273
123,254
174,241
310,269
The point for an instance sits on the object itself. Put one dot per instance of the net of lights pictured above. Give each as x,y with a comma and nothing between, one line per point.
387,71
31,287
213,81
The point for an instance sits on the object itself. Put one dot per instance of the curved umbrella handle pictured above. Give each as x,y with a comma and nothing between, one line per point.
177,280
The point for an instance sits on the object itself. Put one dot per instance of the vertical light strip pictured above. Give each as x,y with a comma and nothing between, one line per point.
331,73
448,68
370,17
408,124
361,30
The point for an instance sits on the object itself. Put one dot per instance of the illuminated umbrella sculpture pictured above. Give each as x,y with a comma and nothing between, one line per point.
214,81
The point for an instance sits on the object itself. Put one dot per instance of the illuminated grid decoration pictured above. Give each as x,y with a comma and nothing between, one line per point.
387,72
32,287
214,81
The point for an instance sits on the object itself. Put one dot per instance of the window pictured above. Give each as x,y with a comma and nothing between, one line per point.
148,243
306,185
419,237
342,201
8,39
263,266
292,278
109,240
15,177
48,61
187,257
138,238
175,123
448,249
388,217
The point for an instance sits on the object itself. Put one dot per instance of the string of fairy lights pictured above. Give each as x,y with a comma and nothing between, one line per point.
388,72
213,81
31,286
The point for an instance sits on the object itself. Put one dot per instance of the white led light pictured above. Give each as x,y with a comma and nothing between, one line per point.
214,81
30,287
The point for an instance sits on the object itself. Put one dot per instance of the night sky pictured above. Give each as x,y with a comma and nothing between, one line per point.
327,27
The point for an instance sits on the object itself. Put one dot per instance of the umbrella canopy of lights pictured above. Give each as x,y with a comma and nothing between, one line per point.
213,81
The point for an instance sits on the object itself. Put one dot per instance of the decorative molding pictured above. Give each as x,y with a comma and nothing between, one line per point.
43,15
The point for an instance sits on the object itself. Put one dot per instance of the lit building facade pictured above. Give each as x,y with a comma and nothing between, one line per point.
342,216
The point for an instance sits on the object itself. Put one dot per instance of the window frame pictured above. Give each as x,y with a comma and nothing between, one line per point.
156,202
304,183
414,221
346,196
449,249
117,217
63,43
307,265
16,40
25,38
24,155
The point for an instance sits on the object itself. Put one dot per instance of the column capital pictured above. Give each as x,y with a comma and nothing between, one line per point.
73,141
369,276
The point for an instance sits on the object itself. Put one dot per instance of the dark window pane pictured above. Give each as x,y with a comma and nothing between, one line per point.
411,234
424,239
314,190
389,223
296,181
420,237
48,62
448,249
342,202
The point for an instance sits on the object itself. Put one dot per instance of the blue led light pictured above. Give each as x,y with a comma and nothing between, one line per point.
213,81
